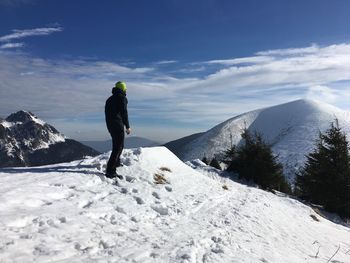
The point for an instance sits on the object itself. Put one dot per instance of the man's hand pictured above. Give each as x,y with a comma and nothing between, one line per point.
128,131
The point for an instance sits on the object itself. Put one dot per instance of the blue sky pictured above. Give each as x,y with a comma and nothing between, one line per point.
188,64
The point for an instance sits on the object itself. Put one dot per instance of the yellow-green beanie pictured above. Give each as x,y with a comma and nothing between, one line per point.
121,85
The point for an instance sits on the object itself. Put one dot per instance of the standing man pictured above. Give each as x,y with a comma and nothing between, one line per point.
116,113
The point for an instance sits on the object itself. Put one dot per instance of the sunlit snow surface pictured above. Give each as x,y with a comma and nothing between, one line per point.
71,213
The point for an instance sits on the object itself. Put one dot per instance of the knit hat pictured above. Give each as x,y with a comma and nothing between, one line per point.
121,85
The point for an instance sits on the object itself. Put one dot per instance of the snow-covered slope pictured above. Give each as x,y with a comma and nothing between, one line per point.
71,213
291,128
26,140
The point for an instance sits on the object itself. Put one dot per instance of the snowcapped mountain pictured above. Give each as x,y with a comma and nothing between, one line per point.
26,140
290,128
70,212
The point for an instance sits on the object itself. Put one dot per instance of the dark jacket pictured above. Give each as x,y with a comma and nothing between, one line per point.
116,111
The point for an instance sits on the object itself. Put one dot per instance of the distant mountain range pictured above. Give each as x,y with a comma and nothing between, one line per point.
130,142
290,128
26,140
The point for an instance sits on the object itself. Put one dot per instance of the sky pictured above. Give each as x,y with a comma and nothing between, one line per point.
188,65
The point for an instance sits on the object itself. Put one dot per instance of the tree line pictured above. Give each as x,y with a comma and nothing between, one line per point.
324,179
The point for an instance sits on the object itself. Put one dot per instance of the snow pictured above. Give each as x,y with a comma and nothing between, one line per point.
37,120
6,124
290,128
53,138
71,213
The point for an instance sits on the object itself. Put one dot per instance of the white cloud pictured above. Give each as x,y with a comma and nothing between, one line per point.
26,73
190,69
235,61
329,64
17,34
290,51
162,62
322,93
78,88
61,88
11,45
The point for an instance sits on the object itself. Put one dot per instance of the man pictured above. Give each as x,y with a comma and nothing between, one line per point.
116,113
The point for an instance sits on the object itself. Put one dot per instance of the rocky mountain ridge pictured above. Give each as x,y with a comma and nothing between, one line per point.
25,140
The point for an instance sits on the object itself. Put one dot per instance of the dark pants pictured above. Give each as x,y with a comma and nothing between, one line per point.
118,145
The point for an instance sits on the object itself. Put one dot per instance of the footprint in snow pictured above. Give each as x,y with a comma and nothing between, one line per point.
124,190
62,219
135,219
127,162
70,197
57,185
26,236
168,188
85,204
139,200
41,250
120,210
99,166
129,178
113,220
217,248
156,195
160,209
51,223
77,246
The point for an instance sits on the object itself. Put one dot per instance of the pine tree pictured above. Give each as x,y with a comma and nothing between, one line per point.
325,177
229,155
214,163
255,161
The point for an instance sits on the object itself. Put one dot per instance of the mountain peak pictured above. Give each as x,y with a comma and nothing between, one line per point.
306,102
25,140
20,116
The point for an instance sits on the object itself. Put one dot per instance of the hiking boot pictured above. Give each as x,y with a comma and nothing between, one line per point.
119,176
111,175
114,175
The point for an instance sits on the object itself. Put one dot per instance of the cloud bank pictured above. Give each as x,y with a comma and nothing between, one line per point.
76,89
